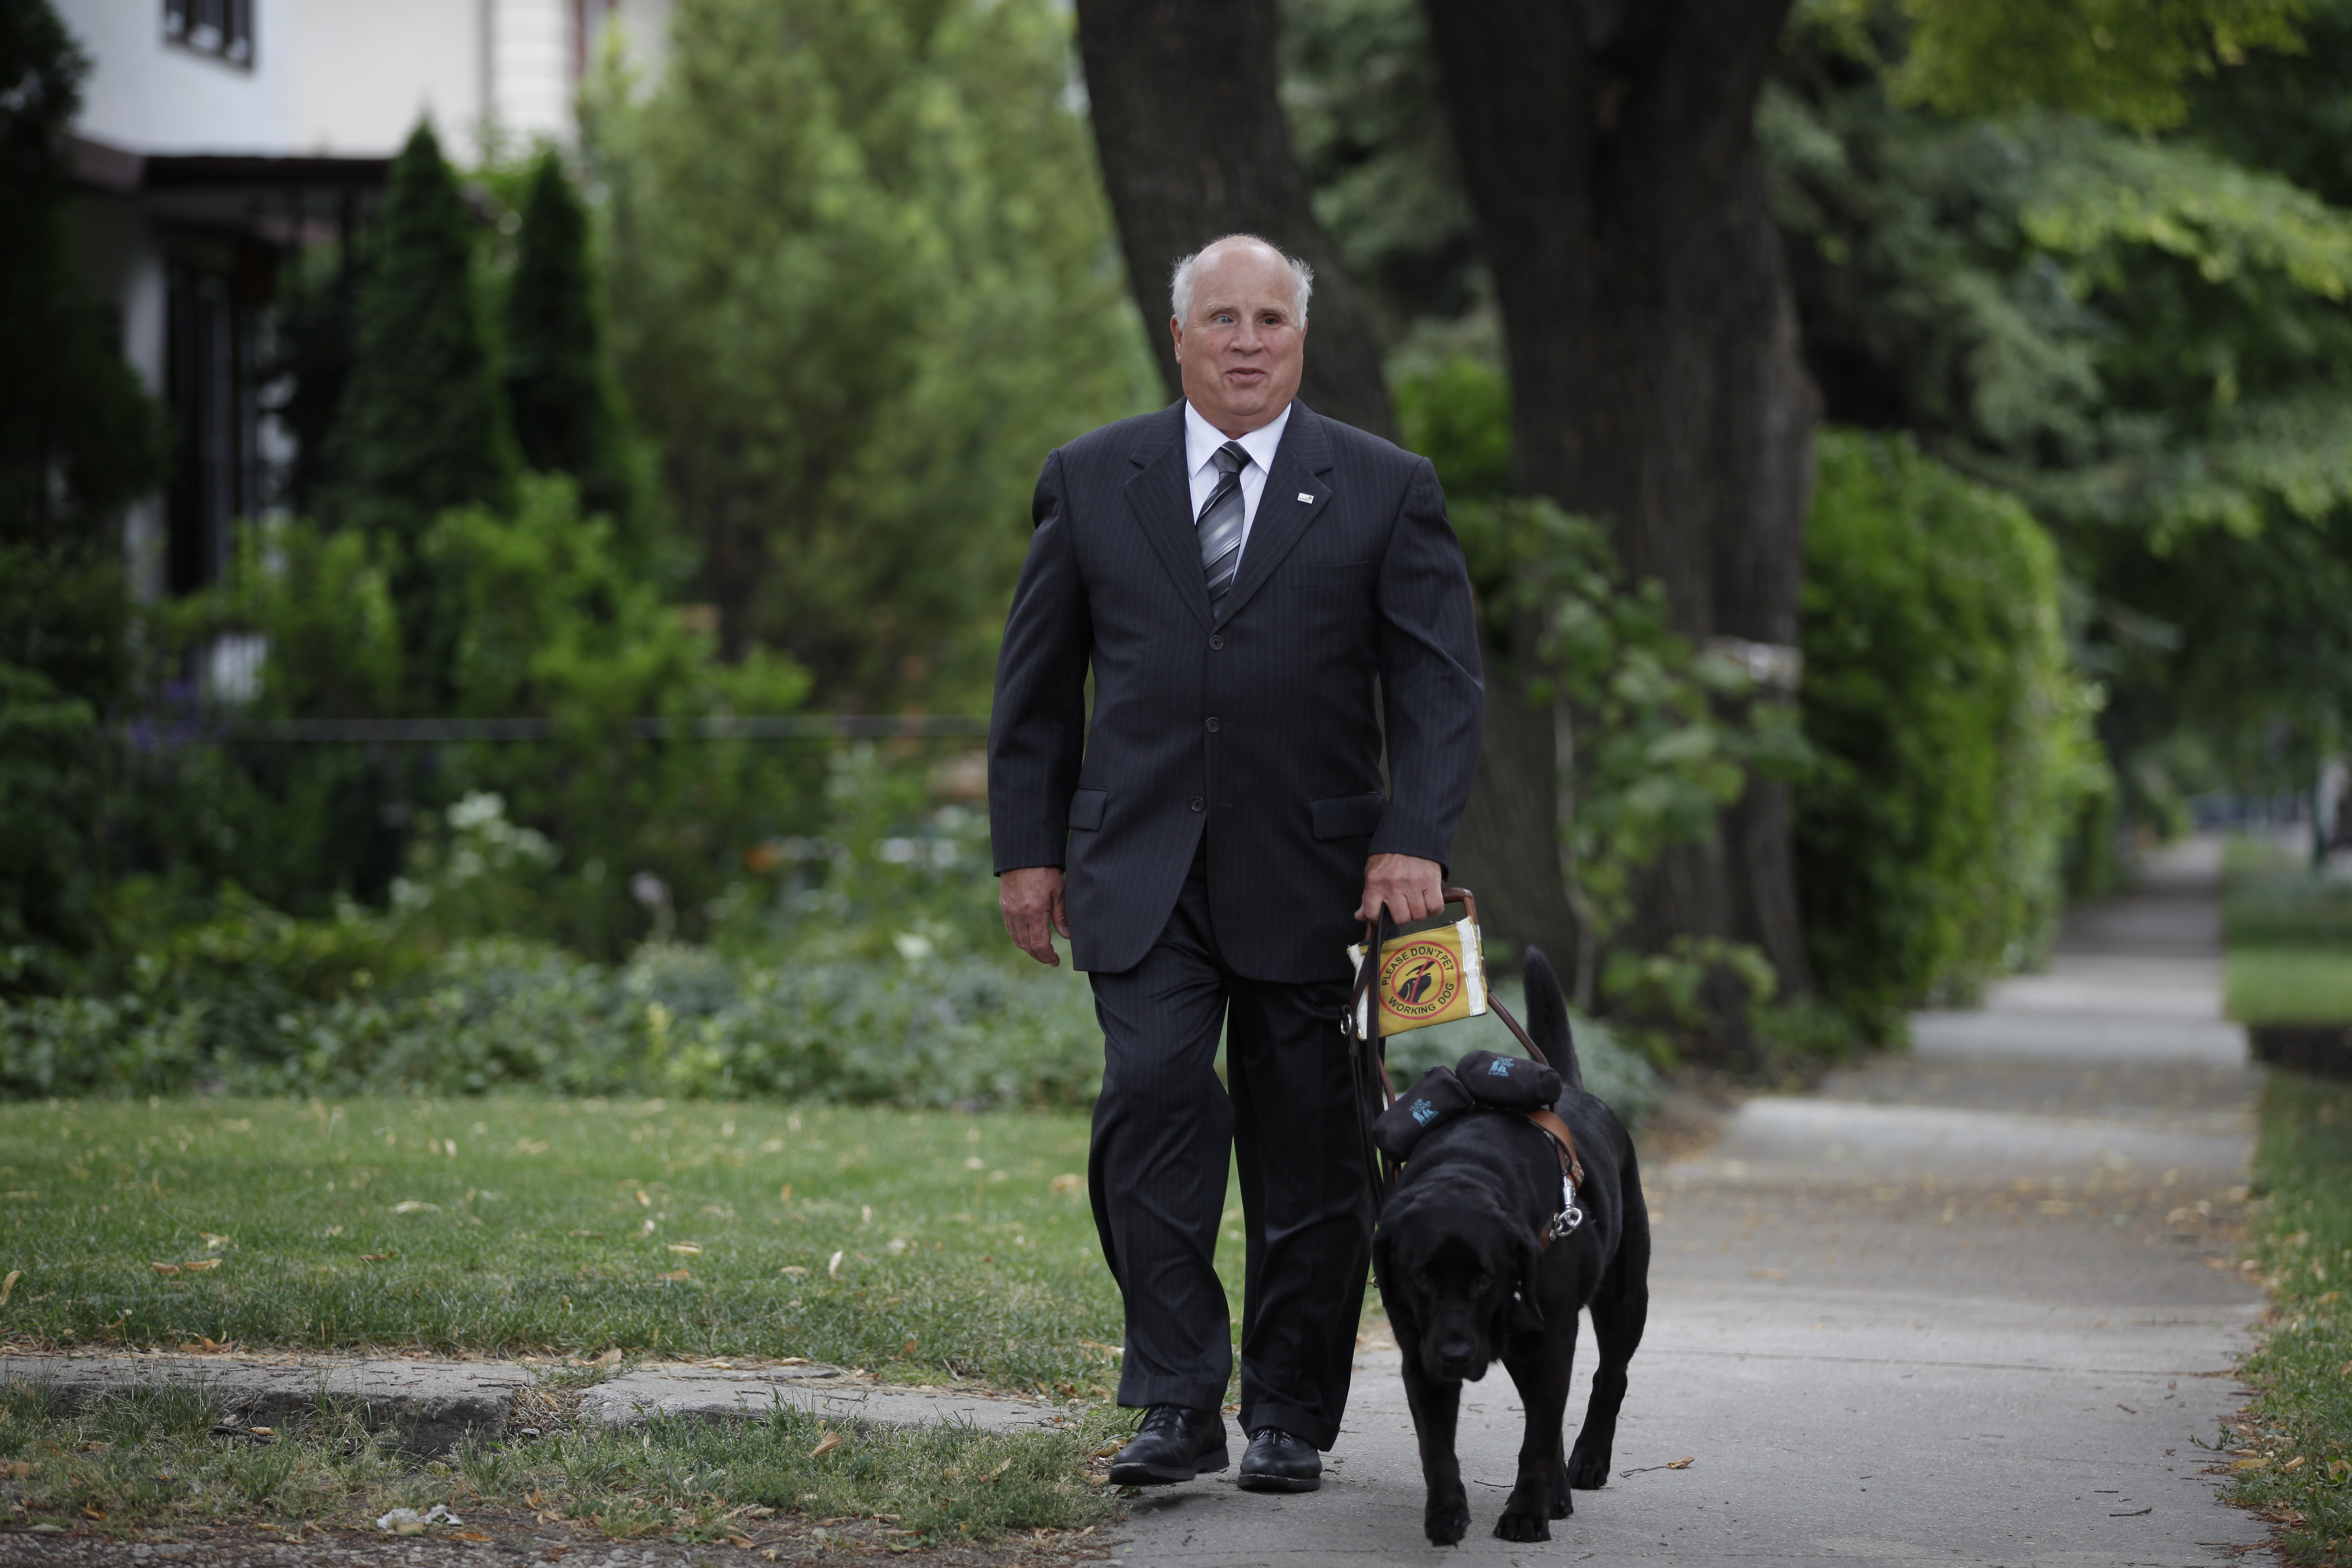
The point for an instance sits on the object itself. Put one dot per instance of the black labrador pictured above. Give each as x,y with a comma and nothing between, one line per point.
1468,1279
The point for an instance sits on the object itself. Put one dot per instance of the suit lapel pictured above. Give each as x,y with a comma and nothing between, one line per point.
1296,494
1160,496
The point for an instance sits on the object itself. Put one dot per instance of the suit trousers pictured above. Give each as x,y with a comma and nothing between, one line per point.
1164,1130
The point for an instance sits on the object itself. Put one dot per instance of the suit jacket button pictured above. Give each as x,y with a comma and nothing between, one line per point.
1216,642
1213,726
1199,805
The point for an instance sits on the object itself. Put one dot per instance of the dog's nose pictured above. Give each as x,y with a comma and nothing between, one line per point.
1457,1354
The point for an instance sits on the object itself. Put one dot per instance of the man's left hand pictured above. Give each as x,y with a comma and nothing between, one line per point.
1413,890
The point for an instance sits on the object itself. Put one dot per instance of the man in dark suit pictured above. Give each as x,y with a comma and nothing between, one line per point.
1263,595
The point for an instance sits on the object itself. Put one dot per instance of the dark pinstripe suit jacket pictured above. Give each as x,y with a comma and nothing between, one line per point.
1261,724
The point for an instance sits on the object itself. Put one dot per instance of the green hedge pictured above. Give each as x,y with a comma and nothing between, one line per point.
1957,756
261,1005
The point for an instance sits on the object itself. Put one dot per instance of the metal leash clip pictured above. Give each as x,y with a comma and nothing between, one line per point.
1569,1216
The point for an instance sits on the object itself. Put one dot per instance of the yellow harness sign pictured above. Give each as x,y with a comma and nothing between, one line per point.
1429,977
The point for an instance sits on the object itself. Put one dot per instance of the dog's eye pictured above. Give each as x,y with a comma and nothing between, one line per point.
1422,1278
1484,1280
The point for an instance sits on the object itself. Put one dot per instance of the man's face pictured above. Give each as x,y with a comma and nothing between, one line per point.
1244,346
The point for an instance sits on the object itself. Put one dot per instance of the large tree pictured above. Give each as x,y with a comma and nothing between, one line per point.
1193,144
1656,385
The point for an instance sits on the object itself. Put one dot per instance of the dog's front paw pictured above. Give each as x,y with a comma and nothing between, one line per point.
1447,1523
1519,1526
1563,1501
1588,1471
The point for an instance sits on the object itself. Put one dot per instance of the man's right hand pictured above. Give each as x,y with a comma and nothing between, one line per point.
1030,899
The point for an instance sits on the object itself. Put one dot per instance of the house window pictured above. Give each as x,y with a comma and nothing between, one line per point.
223,29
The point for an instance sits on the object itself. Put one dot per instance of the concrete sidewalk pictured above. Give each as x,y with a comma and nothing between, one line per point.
1968,1306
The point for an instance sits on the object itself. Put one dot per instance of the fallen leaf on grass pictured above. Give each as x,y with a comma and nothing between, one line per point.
415,1205
2252,1465
676,1274
165,1267
826,1445
9,1284
687,1248
742,1541
994,1473
213,1243
197,1266
1067,1181
2295,1463
833,1268
94,1513
375,1257
16,1470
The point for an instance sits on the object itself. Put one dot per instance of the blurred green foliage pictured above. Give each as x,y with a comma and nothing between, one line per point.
78,439
420,426
559,382
870,283
1661,737
1956,752
2142,335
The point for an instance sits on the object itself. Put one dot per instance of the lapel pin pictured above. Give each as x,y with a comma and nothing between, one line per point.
1304,497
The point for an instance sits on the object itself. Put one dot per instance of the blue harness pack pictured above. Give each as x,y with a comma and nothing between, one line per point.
1482,1080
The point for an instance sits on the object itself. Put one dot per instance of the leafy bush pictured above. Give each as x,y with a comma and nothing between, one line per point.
1955,741
259,1003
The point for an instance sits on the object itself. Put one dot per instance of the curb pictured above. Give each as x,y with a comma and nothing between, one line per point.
437,1406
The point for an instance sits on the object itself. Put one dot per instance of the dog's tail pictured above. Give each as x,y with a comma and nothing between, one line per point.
1547,1019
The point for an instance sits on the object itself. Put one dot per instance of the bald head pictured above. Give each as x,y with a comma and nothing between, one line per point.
1181,282
1240,326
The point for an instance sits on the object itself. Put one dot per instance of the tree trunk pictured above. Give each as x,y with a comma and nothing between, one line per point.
1656,385
1508,848
1190,131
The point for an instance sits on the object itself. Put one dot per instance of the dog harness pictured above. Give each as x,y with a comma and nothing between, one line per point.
1481,1081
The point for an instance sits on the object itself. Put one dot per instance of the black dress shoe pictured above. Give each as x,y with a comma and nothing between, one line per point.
1279,1462
1174,1444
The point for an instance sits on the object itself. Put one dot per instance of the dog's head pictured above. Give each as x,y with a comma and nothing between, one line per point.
1464,1271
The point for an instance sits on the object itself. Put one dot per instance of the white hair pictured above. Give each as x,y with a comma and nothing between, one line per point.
1180,280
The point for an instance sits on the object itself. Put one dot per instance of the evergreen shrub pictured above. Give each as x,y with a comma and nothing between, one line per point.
1954,736
420,427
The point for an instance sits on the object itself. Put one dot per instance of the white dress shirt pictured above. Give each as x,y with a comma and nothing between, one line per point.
1202,440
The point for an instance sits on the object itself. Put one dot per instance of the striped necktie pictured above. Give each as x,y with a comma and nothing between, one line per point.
1221,523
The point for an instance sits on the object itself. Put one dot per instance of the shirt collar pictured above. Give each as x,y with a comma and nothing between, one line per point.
1202,440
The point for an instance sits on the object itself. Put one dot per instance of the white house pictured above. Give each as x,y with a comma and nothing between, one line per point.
218,136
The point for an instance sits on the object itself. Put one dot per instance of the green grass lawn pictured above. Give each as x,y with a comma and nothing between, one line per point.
2292,1449
2289,984
910,1244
